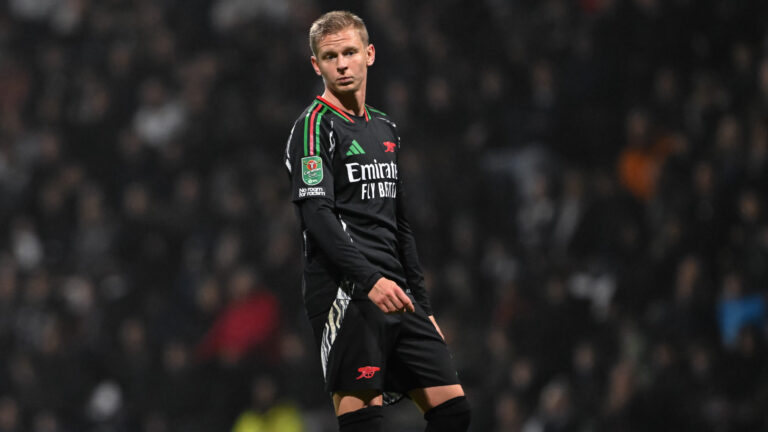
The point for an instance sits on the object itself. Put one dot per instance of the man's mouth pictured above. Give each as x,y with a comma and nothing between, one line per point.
344,80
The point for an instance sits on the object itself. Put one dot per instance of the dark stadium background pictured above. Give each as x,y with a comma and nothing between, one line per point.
588,181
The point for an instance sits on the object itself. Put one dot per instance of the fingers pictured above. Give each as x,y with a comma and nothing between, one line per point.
390,298
392,305
398,302
387,307
405,300
383,304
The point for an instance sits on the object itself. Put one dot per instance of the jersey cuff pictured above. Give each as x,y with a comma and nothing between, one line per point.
427,308
371,281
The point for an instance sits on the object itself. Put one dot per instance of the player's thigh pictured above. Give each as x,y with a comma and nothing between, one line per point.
430,397
421,359
347,402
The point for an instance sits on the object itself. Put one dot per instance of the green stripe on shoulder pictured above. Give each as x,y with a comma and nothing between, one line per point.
336,112
377,111
317,130
306,127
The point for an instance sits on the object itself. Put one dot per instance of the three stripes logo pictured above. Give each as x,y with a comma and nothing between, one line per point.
355,149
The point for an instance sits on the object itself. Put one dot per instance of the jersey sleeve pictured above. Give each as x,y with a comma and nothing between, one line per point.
309,156
406,242
325,229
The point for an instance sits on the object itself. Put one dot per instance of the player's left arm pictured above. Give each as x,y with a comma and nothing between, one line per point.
410,260
409,256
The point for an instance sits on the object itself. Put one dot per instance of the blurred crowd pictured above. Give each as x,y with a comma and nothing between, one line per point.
588,183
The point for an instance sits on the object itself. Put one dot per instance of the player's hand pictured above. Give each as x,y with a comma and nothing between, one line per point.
389,297
437,327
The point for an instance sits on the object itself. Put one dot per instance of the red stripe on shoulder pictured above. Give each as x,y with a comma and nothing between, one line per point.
335,108
312,130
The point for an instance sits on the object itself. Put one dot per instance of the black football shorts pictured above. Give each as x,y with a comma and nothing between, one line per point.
362,348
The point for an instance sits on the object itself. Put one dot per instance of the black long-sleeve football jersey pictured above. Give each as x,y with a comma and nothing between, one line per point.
348,191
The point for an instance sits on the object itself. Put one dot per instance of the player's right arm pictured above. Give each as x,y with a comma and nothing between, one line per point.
309,158
325,229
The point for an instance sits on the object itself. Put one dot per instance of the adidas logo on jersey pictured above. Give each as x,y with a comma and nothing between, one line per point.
355,149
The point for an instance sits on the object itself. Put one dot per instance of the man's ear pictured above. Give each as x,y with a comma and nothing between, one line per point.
313,59
371,54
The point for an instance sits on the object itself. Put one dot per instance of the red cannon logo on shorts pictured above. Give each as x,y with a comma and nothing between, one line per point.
367,372
390,146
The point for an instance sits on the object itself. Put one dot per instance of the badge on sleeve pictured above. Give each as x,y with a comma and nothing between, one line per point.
312,170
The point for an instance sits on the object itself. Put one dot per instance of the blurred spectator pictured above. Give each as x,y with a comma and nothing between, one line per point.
267,411
586,179
554,412
158,118
249,322
9,415
508,414
737,310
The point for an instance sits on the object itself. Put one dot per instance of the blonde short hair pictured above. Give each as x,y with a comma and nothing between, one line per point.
334,22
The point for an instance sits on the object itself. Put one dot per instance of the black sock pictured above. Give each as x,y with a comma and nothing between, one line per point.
450,416
363,420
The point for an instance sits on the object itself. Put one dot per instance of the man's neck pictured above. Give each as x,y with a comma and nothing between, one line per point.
352,103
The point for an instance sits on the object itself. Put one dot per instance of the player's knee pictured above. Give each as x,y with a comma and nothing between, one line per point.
363,420
452,415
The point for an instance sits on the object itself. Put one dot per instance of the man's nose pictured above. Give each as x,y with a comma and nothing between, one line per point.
341,63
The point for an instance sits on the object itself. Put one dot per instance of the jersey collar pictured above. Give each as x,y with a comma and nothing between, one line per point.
338,111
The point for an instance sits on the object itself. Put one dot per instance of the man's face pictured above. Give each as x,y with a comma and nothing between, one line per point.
342,60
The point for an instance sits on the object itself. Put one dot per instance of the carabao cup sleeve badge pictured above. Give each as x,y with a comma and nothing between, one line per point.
312,170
